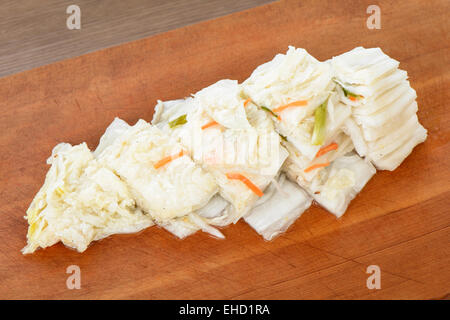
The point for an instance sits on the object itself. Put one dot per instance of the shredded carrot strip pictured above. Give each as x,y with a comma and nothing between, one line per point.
209,124
300,103
248,183
246,102
355,98
316,166
326,149
166,160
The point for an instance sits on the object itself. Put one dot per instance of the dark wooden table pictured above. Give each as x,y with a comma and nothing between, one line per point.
34,33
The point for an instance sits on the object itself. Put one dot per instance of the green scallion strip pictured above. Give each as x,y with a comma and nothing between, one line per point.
178,121
320,119
351,94
270,111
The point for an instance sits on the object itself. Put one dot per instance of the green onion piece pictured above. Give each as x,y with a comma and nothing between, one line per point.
270,111
351,94
320,119
178,121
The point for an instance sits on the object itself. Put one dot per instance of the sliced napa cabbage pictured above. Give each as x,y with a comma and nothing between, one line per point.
297,76
175,189
214,208
354,132
386,117
374,133
391,110
384,99
222,102
180,227
336,185
394,140
290,77
112,132
185,226
169,193
169,111
395,158
254,151
301,137
296,166
80,202
278,209
238,194
217,212
363,66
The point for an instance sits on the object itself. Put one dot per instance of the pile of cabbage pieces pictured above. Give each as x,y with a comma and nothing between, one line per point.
295,131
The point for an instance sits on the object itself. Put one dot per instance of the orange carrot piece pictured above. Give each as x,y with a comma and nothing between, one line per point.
246,102
355,98
209,124
167,159
326,149
300,103
248,183
316,166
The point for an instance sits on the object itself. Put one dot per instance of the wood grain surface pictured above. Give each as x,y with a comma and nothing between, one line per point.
400,221
34,33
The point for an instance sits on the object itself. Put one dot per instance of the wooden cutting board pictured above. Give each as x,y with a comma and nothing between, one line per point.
400,221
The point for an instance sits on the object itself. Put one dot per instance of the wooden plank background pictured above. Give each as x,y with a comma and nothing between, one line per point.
34,33
400,221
